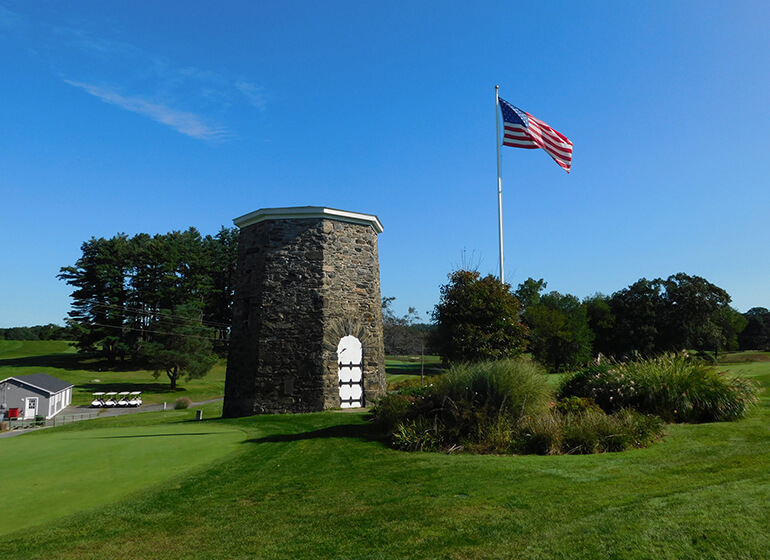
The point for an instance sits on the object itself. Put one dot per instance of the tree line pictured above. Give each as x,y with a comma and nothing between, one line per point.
133,290
480,318
50,331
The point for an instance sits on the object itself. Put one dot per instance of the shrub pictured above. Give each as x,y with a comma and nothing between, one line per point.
472,406
503,407
593,431
412,383
576,404
540,434
417,435
588,431
182,402
511,387
674,387
394,408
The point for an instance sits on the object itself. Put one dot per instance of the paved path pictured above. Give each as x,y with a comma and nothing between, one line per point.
88,413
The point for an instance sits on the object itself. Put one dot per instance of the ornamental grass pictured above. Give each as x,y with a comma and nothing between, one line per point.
506,407
676,387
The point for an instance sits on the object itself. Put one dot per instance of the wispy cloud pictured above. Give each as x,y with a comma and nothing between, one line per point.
254,94
102,61
10,21
107,49
184,122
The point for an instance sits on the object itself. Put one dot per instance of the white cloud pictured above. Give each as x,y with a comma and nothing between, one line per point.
10,21
184,122
253,94
157,85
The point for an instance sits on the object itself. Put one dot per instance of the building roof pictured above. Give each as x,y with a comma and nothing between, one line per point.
42,381
303,212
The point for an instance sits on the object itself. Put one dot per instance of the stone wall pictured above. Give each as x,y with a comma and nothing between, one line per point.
303,283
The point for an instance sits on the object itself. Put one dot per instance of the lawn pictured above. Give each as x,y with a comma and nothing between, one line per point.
56,473
403,368
324,486
58,358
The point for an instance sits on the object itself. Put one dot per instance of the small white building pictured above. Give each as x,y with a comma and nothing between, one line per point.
37,394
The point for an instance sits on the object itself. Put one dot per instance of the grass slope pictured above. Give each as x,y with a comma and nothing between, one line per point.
323,486
402,368
55,473
58,358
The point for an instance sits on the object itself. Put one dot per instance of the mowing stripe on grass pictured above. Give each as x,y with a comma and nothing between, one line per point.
51,474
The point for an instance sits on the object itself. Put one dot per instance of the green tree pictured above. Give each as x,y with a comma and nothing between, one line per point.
679,313
121,285
100,296
180,345
477,319
400,335
639,313
601,321
18,333
697,313
559,334
222,254
756,335
528,292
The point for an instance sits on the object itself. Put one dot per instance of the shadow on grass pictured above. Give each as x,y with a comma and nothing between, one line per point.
413,369
362,432
68,361
163,435
60,361
155,388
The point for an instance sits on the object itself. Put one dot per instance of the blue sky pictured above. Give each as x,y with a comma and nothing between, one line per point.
155,116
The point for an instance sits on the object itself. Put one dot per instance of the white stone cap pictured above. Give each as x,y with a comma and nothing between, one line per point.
304,212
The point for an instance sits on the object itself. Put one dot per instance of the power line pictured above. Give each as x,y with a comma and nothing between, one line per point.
158,316
126,328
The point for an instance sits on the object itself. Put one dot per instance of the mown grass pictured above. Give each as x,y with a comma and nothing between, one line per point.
58,358
324,486
76,469
404,368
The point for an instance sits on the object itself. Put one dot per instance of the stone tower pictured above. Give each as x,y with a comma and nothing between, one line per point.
307,317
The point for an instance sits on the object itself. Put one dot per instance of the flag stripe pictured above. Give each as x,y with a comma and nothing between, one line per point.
522,130
517,137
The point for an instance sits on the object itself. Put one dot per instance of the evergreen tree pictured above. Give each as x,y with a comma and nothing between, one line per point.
179,346
122,284
100,296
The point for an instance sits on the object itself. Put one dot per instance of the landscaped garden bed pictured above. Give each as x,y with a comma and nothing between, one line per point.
507,406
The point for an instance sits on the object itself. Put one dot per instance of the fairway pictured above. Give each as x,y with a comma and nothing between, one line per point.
59,358
52,473
324,485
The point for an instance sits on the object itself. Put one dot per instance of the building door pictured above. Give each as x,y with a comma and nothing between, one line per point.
30,408
351,372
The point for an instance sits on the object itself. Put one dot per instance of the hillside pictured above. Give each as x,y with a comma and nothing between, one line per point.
324,486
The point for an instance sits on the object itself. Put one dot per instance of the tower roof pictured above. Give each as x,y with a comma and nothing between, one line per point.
304,212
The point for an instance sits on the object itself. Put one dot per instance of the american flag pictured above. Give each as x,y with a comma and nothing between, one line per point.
522,130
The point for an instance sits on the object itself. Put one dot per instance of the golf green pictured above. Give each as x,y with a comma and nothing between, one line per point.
51,474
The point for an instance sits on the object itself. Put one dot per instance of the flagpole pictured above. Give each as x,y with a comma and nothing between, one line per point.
499,185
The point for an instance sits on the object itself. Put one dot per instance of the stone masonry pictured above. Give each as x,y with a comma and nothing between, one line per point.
307,277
